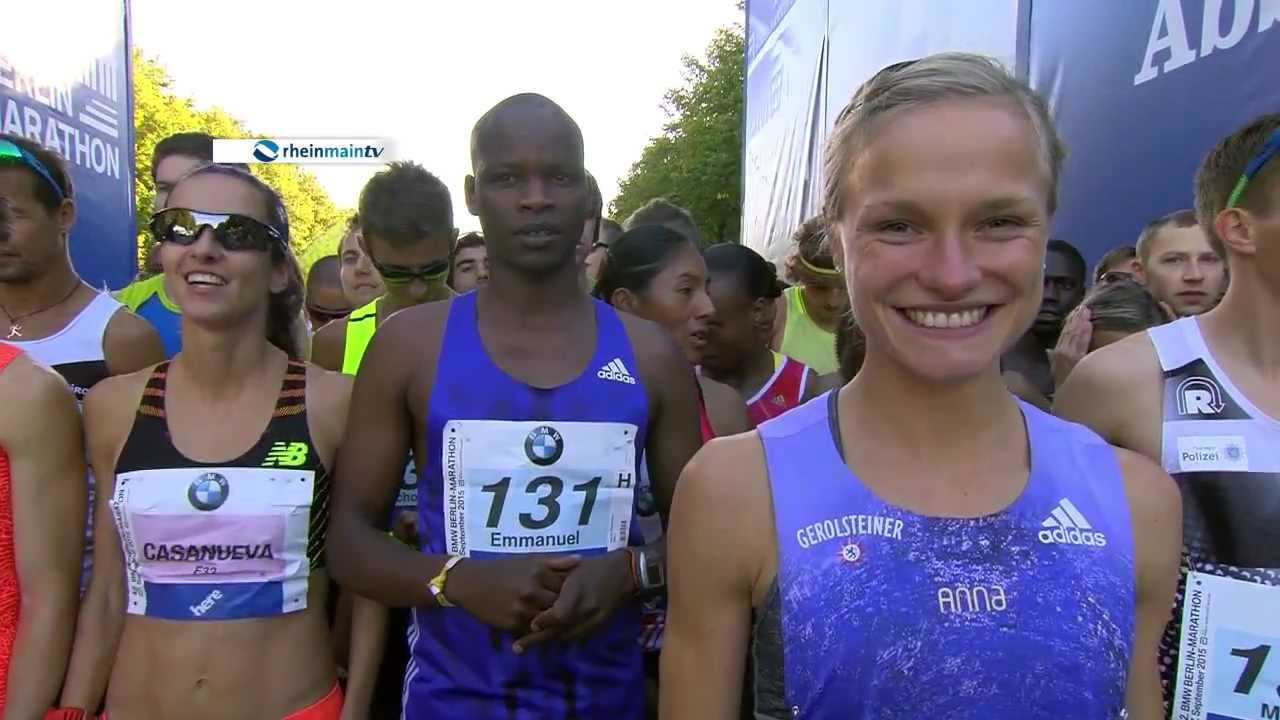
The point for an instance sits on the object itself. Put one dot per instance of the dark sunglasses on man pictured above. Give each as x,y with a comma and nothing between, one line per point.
1114,276
233,231
323,316
431,273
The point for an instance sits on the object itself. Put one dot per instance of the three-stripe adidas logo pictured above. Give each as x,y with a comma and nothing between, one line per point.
616,372
1067,526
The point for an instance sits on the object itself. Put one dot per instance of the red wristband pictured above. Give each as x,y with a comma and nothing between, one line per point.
65,714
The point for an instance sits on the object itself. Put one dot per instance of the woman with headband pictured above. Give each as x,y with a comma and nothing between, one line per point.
805,325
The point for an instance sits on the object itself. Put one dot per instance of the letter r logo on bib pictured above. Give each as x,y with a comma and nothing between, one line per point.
537,486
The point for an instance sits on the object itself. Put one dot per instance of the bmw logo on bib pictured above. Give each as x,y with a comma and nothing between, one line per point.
544,446
208,492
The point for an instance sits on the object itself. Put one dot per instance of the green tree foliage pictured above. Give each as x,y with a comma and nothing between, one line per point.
159,112
697,160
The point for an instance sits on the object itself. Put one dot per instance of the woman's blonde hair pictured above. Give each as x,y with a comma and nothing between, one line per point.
920,82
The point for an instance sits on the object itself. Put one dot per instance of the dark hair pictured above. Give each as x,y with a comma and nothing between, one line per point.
1177,218
54,163
352,225
188,144
851,347
634,259
757,277
327,269
810,246
661,211
470,240
1123,306
1066,248
595,200
403,203
1222,168
1113,256
283,308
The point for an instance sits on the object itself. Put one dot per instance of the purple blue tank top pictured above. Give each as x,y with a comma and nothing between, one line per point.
881,613
513,469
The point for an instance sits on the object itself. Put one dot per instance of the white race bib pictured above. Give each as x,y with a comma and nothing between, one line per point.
537,487
1229,660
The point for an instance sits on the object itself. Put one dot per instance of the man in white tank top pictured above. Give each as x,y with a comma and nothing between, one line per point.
1202,396
45,308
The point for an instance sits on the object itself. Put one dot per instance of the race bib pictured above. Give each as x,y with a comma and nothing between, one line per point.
537,487
1229,664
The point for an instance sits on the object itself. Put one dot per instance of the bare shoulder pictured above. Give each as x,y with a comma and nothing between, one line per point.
126,327
723,497
328,389
418,326
110,408
26,386
1117,391
727,473
1116,366
329,343
1154,498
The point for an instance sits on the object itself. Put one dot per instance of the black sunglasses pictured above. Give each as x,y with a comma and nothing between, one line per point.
232,230
401,275
325,315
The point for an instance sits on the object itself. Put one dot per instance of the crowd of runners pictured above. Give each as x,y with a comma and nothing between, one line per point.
928,465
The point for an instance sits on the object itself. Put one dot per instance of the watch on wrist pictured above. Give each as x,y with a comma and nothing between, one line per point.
650,573
436,584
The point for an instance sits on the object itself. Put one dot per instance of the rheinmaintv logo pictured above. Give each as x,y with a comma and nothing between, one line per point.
304,151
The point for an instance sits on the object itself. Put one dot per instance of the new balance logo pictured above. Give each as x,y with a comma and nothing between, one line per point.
1066,526
286,454
616,372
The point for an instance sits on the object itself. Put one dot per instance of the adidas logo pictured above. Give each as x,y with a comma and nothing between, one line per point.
1066,526
616,372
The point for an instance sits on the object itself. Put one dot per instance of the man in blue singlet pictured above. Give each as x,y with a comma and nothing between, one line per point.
1200,396
918,543
527,405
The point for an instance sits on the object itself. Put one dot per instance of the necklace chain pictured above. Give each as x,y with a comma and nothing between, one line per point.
15,329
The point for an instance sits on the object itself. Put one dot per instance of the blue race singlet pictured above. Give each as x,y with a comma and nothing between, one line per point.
512,469
881,613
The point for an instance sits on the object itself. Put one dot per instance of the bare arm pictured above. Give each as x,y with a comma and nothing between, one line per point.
713,563
130,344
329,344
1156,511
108,411
362,556
41,432
368,643
1116,391
725,408
674,435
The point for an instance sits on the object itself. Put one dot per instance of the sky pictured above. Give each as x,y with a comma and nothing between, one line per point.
421,72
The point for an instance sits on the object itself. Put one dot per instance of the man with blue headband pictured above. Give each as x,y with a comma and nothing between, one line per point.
1201,396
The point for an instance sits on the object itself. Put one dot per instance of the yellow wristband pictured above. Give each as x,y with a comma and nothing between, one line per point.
436,584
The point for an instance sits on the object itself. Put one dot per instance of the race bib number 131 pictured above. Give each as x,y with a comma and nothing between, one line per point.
537,487
1229,659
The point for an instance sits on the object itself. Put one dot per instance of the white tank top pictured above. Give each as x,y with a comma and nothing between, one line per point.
75,351
1225,455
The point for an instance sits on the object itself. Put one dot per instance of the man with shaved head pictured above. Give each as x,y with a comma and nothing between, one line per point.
529,407
325,300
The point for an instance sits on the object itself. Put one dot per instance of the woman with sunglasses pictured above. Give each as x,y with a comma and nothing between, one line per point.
208,596
406,233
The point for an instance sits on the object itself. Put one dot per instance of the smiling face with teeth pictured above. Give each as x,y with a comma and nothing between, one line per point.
943,227
212,285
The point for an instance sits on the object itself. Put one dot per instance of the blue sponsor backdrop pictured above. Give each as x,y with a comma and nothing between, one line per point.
89,121
1141,90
